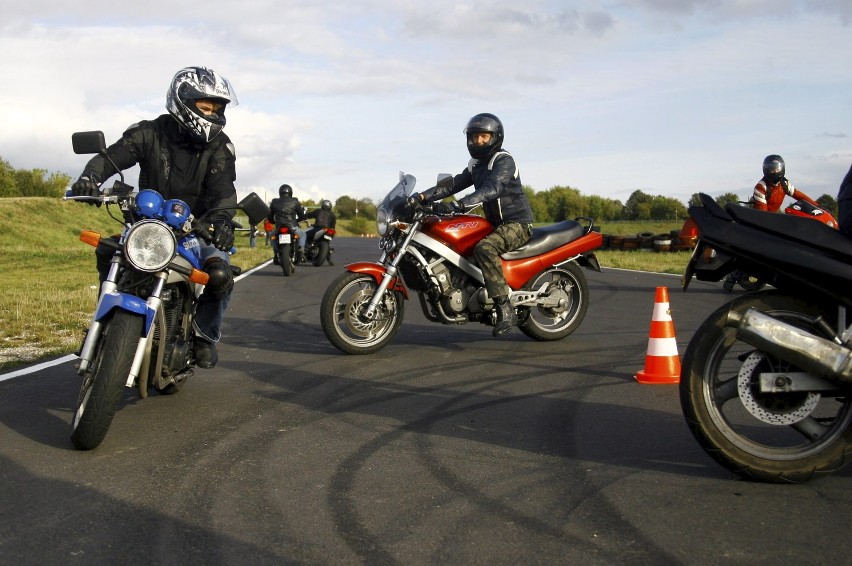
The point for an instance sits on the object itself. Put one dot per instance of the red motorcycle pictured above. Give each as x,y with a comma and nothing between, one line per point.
432,257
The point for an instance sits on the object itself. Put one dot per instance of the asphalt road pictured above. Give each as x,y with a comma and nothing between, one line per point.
448,447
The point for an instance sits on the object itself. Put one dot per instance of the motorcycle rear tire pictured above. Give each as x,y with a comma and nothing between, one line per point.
103,387
285,259
340,311
760,447
322,253
547,324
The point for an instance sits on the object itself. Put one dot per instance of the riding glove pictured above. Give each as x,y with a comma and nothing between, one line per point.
87,186
223,235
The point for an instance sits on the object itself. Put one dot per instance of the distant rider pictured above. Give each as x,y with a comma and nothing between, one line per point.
497,187
770,191
185,155
286,210
323,218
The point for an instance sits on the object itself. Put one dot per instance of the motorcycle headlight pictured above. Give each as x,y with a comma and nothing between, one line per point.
150,245
382,221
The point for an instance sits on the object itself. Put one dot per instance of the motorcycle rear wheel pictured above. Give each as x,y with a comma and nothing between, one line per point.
285,259
341,314
103,386
775,438
322,253
568,286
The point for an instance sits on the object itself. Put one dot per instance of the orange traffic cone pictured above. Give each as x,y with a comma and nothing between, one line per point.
662,364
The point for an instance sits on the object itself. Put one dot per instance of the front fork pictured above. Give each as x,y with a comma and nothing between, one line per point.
152,306
390,274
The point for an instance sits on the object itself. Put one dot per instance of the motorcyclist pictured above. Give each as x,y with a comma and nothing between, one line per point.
770,191
497,187
323,218
286,210
185,155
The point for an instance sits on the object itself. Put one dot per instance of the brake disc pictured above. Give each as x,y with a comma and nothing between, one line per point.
771,408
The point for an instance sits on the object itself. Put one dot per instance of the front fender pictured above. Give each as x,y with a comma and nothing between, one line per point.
377,271
124,301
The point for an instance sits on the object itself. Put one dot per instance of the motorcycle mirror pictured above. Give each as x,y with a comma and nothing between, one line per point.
88,142
445,181
254,207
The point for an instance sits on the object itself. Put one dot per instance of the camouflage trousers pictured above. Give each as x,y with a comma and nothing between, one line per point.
505,238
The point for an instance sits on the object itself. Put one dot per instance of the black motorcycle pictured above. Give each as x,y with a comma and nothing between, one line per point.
766,381
318,247
287,247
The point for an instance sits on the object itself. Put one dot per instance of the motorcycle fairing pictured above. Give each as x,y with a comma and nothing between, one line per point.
798,228
447,253
189,249
774,248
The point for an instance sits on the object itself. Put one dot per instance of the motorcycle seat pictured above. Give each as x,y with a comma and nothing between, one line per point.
547,238
805,230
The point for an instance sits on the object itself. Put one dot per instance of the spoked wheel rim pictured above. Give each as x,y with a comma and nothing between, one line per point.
351,324
770,426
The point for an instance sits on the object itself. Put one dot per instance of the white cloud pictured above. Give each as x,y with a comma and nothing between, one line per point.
336,97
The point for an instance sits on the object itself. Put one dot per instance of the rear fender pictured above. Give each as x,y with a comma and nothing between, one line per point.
377,271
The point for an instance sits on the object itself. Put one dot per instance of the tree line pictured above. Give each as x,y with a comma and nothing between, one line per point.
551,205
31,182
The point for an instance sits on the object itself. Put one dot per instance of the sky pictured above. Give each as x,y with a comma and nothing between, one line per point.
670,97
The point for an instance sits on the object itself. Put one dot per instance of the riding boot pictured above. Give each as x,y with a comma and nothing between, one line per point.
506,317
206,356
275,258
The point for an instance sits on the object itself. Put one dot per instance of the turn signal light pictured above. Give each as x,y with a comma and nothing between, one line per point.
199,277
90,237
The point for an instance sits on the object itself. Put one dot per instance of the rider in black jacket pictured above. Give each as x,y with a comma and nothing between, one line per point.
323,218
497,187
288,211
185,155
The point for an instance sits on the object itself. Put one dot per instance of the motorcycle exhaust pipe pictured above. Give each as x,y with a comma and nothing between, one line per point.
799,347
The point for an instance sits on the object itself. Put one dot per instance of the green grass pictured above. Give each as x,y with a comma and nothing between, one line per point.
50,282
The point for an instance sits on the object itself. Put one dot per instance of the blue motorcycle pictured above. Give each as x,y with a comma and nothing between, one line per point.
141,333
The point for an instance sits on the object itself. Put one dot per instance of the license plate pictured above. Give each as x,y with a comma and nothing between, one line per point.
283,238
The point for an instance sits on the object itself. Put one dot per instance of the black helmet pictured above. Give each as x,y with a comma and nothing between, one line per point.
325,205
484,123
196,83
773,169
285,191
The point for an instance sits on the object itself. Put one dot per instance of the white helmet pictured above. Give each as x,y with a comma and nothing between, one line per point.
195,83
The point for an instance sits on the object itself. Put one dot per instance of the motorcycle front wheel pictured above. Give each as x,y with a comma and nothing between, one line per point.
564,304
343,320
769,437
284,257
103,385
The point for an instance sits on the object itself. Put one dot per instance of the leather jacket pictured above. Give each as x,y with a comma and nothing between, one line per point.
497,186
286,210
202,175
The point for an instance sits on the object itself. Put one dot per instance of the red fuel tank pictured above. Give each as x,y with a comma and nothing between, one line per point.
461,233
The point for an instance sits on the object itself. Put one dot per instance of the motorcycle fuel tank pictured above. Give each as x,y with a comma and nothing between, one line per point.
461,233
